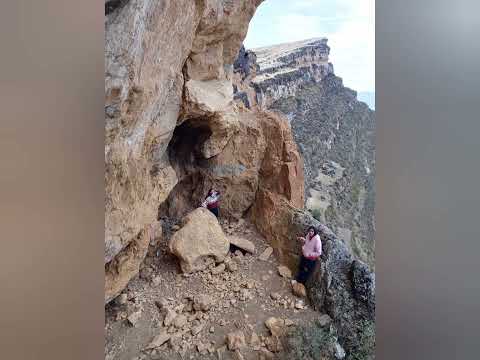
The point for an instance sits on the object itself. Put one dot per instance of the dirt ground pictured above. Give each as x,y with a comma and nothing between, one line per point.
241,300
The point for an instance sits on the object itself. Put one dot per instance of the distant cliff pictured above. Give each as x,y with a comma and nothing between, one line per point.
334,131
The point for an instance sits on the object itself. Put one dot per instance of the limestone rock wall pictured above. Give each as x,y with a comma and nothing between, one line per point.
165,62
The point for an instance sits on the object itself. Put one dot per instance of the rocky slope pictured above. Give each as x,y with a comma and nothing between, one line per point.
334,132
173,130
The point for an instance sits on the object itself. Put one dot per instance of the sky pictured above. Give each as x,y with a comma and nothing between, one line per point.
349,26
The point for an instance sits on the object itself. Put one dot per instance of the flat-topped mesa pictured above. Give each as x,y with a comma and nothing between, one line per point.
282,68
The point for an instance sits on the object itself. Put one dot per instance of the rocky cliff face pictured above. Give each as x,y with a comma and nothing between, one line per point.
166,63
173,130
334,132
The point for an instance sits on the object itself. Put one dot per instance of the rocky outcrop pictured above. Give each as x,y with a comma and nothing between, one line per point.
263,144
334,132
166,62
199,242
342,287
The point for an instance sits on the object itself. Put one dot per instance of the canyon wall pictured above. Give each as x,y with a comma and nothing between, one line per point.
334,131
166,63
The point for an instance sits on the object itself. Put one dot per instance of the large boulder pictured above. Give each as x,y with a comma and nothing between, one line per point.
199,242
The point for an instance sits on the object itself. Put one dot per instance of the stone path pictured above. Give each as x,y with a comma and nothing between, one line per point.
164,314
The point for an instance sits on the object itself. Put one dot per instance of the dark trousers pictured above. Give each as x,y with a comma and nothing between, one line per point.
214,211
305,269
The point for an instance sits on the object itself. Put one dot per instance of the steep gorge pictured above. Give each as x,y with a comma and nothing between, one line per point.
334,131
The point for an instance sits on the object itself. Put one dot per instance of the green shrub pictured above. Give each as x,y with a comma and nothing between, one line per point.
364,347
316,214
309,342
355,192
330,214
313,342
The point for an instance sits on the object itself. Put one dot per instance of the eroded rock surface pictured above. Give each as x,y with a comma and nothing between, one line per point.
156,51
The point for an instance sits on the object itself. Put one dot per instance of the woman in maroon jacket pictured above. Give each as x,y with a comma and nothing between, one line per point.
211,201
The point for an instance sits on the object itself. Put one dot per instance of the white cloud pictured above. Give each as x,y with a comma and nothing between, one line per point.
348,24
353,47
296,27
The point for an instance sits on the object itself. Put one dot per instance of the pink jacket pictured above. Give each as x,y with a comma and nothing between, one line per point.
312,248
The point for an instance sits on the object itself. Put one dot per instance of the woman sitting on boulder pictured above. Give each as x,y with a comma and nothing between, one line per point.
311,251
211,201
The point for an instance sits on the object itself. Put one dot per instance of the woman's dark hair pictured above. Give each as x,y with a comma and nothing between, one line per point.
315,231
209,193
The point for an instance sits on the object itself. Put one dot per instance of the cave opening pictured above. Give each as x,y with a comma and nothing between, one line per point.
186,158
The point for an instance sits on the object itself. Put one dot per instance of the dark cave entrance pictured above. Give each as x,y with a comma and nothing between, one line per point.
185,155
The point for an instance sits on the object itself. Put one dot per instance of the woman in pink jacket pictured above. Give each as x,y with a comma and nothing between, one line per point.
311,251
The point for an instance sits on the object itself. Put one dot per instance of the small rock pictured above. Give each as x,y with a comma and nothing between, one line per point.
219,269
250,284
212,329
156,281
299,305
158,340
202,303
180,321
289,322
266,254
134,317
299,290
162,303
175,227
324,320
222,322
284,271
232,266
276,326
197,329
275,295
122,299
169,317
235,340
242,243
178,309
265,277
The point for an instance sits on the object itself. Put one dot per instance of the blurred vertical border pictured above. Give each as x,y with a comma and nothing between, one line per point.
52,179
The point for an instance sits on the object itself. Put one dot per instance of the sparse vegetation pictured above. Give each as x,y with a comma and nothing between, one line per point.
312,342
316,214
355,192
364,349
330,214
309,342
